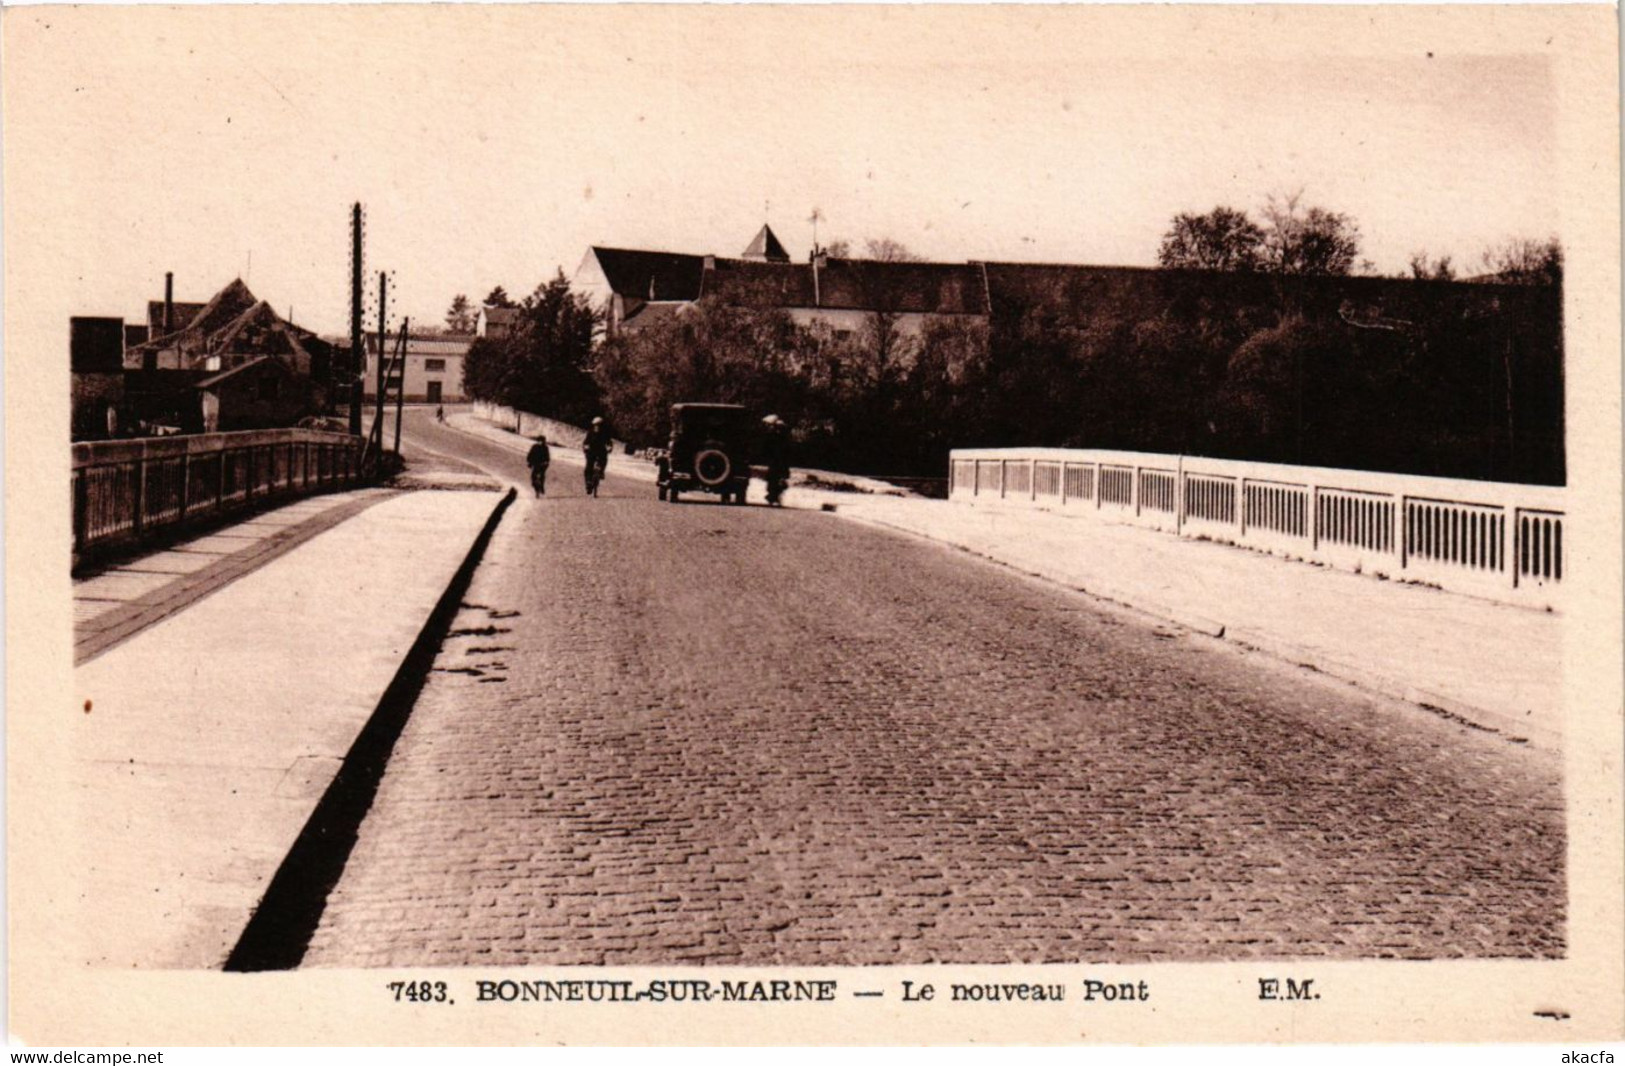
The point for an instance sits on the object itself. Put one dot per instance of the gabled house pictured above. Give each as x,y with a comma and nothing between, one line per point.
231,329
171,375
495,323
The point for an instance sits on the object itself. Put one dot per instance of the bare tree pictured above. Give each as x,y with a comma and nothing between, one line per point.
886,250
1222,239
838,249
1307,240
1522,261
1426,269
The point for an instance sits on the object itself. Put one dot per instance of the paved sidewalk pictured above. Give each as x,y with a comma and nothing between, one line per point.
1495,665
203,743
120,600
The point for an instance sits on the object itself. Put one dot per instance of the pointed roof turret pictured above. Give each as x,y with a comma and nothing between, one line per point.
766,248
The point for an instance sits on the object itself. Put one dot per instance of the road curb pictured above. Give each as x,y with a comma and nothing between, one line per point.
1377,683
279,931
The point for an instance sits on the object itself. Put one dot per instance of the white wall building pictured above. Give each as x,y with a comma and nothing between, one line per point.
433,370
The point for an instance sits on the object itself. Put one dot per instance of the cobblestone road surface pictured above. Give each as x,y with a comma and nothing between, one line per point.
746,736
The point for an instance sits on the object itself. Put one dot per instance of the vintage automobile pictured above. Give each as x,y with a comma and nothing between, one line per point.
708,452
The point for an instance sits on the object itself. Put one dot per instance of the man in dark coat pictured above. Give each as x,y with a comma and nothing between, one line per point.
595,446
538,459
775,456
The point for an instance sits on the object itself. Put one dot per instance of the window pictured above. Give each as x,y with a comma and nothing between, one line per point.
430,365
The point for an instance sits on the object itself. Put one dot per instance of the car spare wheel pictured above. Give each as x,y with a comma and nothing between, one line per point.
711,466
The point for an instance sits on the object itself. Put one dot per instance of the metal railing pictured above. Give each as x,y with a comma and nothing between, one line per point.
1492,539
127,491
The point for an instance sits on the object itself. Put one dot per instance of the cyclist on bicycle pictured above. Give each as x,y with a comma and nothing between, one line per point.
538,459
596,449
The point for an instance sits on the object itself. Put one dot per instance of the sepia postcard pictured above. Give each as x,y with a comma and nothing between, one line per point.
752,524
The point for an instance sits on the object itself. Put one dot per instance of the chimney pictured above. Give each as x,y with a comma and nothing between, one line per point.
708,267
169,302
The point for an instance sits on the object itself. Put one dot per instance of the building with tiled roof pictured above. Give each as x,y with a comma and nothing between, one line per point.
167,373
231,328
637,287
162,320
259,394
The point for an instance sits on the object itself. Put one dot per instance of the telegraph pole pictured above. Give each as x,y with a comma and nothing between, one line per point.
400,393
357,368
383,307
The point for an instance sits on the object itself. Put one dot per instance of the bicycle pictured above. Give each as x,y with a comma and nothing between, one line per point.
594,475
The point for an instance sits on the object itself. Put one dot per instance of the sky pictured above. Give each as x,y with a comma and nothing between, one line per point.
493,145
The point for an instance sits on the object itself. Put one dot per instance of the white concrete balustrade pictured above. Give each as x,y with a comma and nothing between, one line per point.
1483,538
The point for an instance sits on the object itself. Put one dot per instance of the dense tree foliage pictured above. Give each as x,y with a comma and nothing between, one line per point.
1291,239
1222,239
545,364
1455,380
858,402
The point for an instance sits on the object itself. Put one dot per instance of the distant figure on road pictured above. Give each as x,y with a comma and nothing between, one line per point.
776,457
538,459
439,413
596,448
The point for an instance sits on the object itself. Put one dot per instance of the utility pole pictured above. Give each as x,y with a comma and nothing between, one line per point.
356,366
383,307
817,252
400,393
